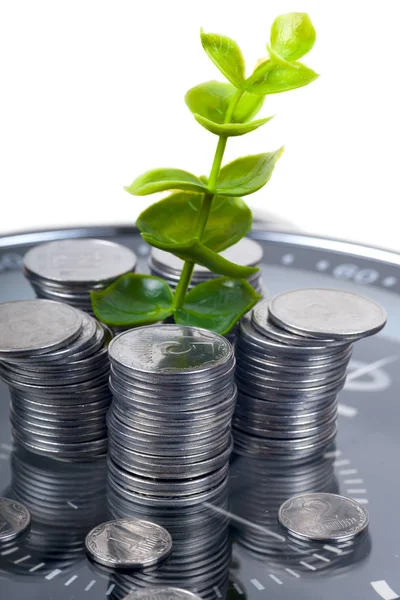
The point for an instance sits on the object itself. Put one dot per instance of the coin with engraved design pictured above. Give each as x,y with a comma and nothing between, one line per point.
14,520
128,543
323,517
170,349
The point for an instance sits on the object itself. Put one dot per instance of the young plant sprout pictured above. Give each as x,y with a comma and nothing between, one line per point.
203,216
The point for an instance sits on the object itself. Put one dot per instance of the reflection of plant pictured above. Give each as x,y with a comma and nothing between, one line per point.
207,215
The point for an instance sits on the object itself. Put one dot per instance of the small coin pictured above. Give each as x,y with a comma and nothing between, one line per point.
327,313
128,543
35,326
161,593
323,517
14,519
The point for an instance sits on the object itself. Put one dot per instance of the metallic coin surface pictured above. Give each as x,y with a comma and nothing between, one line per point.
161,593
323,517
79,261
14,519
128,543
328,313
170,349
36,326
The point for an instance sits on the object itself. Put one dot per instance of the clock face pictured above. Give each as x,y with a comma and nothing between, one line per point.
231,546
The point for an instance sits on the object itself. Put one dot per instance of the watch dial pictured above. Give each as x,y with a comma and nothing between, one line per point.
231,546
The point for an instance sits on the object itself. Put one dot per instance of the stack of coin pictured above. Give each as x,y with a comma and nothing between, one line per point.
54,359
201,550
65,501
170,421
292,357
247,252
68,270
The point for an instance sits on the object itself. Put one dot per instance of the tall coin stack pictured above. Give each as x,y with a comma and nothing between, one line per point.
54,359
169,424
68,270
247,252
292,357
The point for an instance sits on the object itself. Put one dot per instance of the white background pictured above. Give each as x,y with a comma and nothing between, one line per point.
92,95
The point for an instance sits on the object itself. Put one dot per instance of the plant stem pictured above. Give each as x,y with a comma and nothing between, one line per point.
183,284
187,271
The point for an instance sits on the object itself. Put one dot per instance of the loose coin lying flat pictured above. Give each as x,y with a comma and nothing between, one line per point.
327,313
30,327
128,543
323,517
14,519
162,593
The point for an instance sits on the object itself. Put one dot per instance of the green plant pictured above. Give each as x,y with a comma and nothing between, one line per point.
204,216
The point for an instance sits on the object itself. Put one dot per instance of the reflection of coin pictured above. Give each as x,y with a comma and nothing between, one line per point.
162,593
14,519
323,517
36,326
327,313
128,543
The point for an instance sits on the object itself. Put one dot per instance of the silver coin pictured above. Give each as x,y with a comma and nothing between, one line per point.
128,543
30,327
327,313
164,350
14,520
257,342
260,320
161,593
79,261
323,517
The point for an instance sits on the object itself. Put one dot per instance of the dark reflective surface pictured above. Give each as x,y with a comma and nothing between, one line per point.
66,500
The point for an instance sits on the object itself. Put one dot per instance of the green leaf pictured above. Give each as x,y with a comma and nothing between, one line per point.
211,100
248,174
159,180
230,129
272,78
226,55
247,108
292,35
197,252
217,304
174,219
133,300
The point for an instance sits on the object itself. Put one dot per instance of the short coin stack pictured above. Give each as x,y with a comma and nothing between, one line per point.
247,252
292,357
54,359
170,421
68,270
